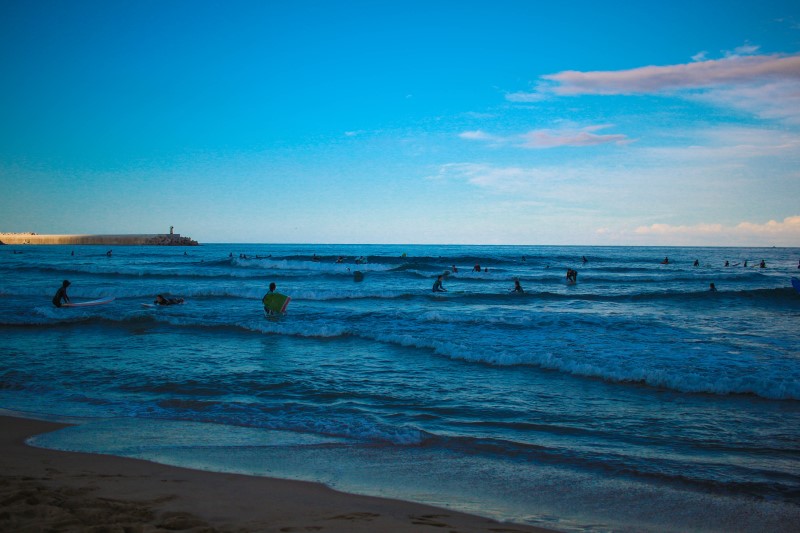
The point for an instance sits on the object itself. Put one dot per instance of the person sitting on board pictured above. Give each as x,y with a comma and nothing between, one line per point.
476,268
665,261
517,287
697,262
61,294
437,285
160,300
712,288
763,264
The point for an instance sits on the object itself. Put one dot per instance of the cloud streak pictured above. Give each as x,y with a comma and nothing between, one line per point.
734,70
767,86
549,138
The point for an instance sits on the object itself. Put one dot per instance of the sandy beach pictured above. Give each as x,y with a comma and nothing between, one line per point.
46,490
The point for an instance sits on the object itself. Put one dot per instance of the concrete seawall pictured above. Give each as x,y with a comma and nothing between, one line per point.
158,239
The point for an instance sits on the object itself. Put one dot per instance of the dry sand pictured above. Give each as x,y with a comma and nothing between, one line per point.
45,490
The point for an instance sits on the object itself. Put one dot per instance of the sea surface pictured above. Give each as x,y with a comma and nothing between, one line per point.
633,400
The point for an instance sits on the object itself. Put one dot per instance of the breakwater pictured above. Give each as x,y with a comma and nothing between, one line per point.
157,239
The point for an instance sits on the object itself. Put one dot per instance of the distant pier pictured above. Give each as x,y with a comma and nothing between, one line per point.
152,239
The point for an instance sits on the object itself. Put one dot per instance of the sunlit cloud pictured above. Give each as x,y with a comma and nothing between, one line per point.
785,232
734,70
550,138
768,86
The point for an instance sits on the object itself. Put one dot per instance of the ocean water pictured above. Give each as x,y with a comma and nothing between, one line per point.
632,400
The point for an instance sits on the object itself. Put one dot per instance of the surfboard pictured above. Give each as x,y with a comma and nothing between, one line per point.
100,301
796,284
276,302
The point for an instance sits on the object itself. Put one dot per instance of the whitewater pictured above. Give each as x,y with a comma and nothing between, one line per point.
635,399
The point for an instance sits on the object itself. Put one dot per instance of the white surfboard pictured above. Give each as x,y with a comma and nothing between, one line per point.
100,301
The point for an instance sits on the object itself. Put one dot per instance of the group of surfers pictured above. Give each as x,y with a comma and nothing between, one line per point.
61,297
572,277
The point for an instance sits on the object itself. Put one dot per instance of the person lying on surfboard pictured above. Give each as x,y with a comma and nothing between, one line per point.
61,294
160,300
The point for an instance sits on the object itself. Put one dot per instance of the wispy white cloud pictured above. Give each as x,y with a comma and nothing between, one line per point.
731,144
767,86
584,137
528,97
744,50
497,179
550,138
477,135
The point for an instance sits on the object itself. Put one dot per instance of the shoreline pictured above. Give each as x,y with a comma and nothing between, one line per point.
71,491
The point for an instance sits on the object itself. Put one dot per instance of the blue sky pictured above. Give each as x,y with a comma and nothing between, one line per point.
513,122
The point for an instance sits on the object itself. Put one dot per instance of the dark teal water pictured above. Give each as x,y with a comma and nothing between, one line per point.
601,405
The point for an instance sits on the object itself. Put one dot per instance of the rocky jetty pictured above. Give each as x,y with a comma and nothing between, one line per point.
171,240
157,239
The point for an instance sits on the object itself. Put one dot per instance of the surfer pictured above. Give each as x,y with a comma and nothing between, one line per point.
61,294
712,288
572,275
476,268
697,262
160,300
455,270
762,264
517,287
665,261
272,287
437,285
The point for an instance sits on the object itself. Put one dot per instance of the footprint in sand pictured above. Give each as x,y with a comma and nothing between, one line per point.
429,520
355,516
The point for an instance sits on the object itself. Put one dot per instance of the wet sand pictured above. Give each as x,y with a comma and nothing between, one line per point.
47,490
